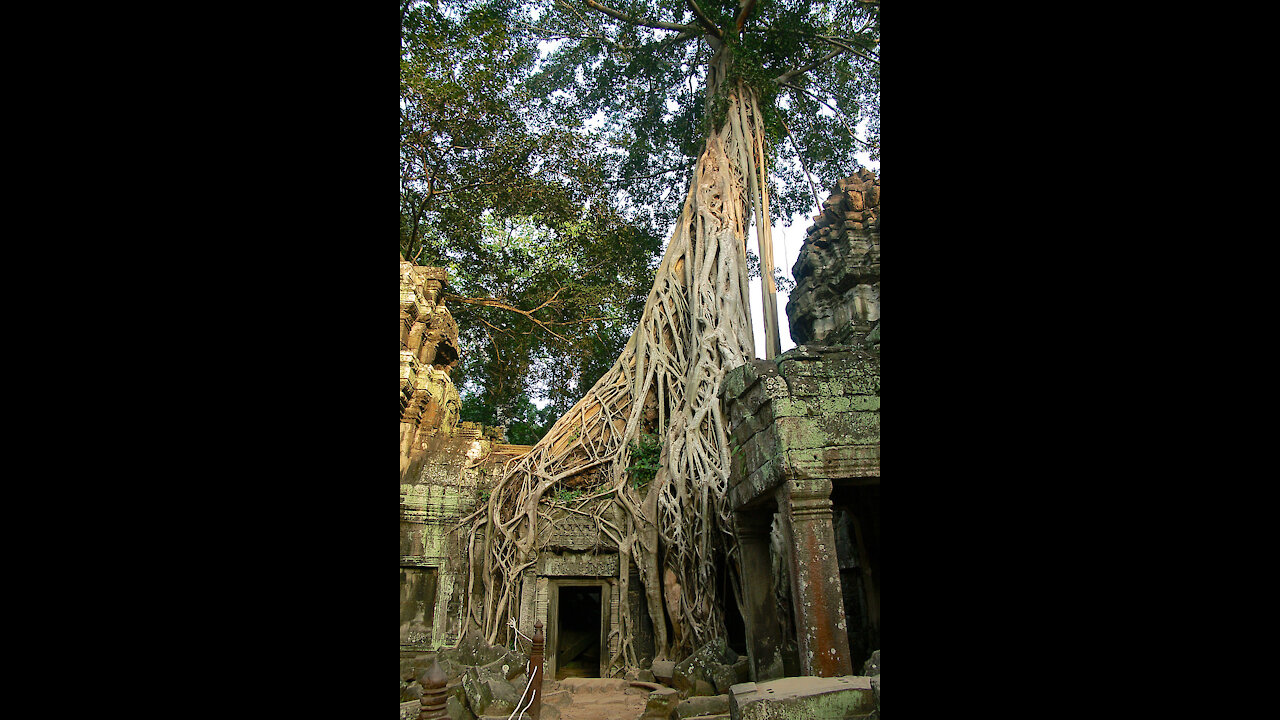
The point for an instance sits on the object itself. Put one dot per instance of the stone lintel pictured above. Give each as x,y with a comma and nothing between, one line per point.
578,564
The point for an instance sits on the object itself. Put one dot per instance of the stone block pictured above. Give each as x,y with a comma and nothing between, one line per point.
489,693
695,674
412,691
457,709
848,696
479,694
872,665
662,705
703,705
722,677
663,670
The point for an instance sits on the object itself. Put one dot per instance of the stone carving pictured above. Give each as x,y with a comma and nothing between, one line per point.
837,296
429,402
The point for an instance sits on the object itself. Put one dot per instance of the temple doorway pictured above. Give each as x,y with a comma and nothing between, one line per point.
579,642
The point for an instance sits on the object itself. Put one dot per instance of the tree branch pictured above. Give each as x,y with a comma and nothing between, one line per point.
646,177
637,21
800,155
490,302
837,112
703,19
850,48
747,7
784,77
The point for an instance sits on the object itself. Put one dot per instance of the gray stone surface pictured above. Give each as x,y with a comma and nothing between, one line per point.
703,705
663,670
698,673
872,665
662,705
836,300
412,691
849,696
488,693
457,709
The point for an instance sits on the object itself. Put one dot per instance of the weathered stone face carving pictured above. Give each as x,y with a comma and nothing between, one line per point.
837,296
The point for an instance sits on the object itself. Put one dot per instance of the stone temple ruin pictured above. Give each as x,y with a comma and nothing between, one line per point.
805,495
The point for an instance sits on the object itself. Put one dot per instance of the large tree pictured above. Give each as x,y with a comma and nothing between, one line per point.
720,99
546,275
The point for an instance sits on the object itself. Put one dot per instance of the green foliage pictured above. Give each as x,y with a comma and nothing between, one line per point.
565,495
546,148
646,451
510,199
648,85
525,422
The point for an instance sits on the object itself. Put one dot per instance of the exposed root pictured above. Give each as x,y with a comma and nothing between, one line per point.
695,327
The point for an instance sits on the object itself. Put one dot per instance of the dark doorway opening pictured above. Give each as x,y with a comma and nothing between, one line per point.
856,522
735,627
578,647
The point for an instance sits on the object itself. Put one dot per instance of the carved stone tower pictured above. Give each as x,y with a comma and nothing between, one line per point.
429,402
837,296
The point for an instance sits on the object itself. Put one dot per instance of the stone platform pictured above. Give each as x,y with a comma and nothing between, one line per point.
831,698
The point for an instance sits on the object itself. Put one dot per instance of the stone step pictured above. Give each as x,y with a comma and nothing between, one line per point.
580,686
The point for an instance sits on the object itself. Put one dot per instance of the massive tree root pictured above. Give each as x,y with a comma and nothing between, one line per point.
695,327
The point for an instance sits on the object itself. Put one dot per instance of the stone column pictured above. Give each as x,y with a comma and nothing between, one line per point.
821,633
764,633
535,668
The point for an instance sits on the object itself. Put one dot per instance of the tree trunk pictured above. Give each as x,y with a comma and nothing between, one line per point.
695,327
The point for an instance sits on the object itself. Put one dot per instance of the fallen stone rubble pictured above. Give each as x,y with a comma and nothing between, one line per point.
486,683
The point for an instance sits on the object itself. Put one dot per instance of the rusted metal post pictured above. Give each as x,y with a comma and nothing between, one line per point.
434,696
535,667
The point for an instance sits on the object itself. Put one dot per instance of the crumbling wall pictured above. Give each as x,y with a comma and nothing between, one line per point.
836,300
446,467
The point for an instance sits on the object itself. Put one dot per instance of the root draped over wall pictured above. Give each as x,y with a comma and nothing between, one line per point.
695,327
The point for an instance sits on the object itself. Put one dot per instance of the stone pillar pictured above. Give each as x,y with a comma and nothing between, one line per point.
535,668
435,697
821,632
764,633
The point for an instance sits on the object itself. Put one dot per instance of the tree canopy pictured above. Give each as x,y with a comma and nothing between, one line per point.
545,145
642,65
545,274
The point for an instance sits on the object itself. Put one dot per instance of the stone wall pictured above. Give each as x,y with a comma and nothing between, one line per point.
836,300
446,467
447,470
812,413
